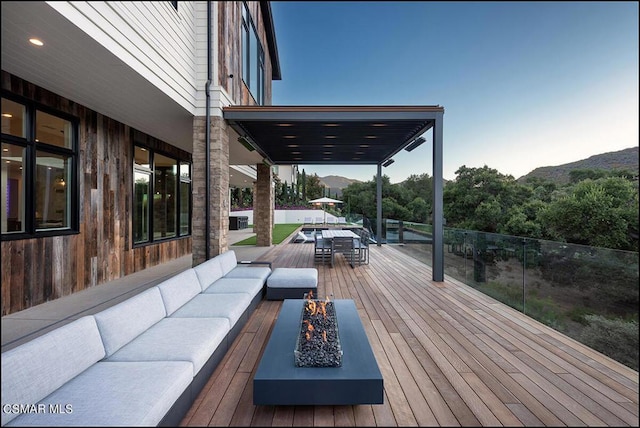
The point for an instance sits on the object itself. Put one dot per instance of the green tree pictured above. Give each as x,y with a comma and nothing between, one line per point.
602,213
480,199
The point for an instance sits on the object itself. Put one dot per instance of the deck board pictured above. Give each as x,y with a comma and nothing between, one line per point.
449,356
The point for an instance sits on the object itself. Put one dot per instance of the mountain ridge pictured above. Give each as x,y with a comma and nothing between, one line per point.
620,159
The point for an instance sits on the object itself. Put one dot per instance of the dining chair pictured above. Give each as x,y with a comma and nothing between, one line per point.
344,245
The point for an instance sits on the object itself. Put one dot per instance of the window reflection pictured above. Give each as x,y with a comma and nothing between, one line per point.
141,206
52,195
53,130
164,198
12,215
13,122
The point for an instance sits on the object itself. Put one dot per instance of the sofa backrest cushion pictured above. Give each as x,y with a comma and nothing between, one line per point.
228,261
35,369
179,289
122,323
208,272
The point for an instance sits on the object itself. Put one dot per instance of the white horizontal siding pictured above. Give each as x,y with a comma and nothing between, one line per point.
219,97
152,38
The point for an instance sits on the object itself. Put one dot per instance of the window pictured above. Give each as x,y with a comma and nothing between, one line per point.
185,198
252,57
39,158
161,197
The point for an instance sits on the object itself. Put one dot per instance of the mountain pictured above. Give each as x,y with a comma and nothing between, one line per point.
622,159
336,183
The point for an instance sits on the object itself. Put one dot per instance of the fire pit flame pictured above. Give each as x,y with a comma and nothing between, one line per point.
322,349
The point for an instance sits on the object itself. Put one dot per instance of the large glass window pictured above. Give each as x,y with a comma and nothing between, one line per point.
162,198
53,201
13,181
185,198
252,57
39,184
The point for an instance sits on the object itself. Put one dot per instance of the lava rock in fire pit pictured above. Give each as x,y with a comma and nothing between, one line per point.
318,342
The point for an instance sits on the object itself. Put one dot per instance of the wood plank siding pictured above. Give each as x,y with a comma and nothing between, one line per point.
229,25
37,270
449,356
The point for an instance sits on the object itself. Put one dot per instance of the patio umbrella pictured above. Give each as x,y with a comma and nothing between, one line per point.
325,201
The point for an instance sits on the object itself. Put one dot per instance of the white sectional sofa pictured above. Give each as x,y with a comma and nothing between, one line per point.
141,362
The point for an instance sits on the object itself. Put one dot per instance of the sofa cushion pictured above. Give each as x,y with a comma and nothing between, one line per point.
257,272
251,286
179,289
35,369
228,261
177,339
121,323
115,394
230,305
208,272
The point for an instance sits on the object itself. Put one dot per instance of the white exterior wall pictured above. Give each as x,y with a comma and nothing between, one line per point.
286,216
219,96
152,38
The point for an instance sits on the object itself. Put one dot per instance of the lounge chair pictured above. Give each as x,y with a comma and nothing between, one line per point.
301,237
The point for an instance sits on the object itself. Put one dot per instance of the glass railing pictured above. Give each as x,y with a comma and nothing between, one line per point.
587,293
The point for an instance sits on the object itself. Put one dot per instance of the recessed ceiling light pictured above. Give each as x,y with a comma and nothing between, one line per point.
290,136
285,124
364,146
328,145
378,124
331,124
293,145
371,136
36,42
330,136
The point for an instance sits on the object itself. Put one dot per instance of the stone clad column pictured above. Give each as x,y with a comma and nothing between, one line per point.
219,193
263,201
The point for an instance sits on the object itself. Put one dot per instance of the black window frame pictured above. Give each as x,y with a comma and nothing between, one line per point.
32,147
151,238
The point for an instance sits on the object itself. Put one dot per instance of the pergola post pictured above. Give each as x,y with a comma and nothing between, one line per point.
437,252
379,206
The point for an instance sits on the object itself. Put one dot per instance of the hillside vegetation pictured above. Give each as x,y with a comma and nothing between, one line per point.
626,159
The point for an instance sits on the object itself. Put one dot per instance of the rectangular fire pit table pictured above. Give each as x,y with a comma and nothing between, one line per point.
279,382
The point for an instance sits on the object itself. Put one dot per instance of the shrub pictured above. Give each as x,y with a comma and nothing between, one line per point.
615,338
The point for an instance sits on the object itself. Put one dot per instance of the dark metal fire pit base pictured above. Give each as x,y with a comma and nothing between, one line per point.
279,382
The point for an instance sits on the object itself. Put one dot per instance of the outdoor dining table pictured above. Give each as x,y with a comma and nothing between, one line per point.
329,234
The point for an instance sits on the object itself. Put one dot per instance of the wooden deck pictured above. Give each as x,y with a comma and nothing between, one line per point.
449,355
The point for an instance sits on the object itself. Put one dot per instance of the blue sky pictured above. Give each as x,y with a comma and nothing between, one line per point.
523,84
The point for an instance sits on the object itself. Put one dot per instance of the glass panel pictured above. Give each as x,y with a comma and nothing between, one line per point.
52,195
13,119
141,157
53,130
253,63
245,53
141,191
185,198
185,171
164,198
13,200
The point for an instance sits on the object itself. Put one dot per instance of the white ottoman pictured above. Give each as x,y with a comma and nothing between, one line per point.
291,283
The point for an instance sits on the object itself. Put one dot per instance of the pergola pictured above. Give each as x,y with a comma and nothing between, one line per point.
349,135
